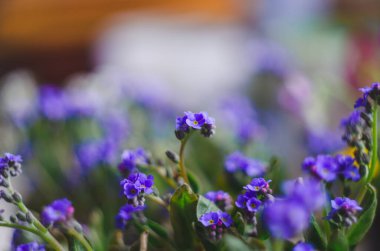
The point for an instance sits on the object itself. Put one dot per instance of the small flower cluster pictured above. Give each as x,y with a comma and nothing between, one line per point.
31,246
238,162
256,193
329,168
58,212
131,159
302,246
343,211
216,224
135,188
287,217
222,199
9,165
195,121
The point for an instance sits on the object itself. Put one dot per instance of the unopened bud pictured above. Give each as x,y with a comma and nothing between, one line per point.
172,156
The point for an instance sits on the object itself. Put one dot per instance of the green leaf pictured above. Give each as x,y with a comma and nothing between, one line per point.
74,245
359,229
239,223
338,242
193,181
158,229
205,206
182,214
315,235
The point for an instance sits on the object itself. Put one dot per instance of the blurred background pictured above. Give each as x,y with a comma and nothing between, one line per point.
278,76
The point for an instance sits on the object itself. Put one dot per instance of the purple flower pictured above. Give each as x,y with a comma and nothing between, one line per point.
95,152
324,167
286,218
53,103
343,211
372,91
131,159
352,120
347,167
238,162
253,204
32,246
308,193
125,214
222,199
198,121
137,184
9,160
209,219
324,142
57,212
302,246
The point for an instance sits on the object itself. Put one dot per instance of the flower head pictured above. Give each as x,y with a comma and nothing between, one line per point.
302,246
324,167
347,167
131,159
32,246
216,223
343,211
136,186
196,121
125,214
10,164
286,218
236,161
222,199
58,211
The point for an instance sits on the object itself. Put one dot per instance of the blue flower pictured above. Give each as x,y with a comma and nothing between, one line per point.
302,246
216,223
131,159
236,161
286,218
209,219
53,103
137,184
222,199
307,192
32,246
343,211
125,214
10,164
58,211
324,167
197,121
347,167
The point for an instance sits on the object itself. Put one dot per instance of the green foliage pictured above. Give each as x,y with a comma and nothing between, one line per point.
315,235
182,215
338,241
359,229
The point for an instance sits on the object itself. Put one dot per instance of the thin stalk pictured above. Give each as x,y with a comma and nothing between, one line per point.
144,241
72,232
48,238
182,168
43,232
374,143
158,201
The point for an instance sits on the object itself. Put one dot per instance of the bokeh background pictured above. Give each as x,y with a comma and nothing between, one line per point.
293,66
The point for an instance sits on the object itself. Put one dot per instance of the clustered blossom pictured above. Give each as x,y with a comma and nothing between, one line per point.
32,246
302,246
125,214
216,223
255,195
59,211
222,199
135,187
329,168
343,211
289,216
239,115
195,121
131,159
9,165
236,161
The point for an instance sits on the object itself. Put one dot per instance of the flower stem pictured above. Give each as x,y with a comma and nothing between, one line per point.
158,200
47,237
80,238
144,241
38,227
374,144
182,168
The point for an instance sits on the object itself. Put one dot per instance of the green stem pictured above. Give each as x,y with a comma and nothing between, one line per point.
39,228
79,237
182,168
374,143
46,237
158,201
